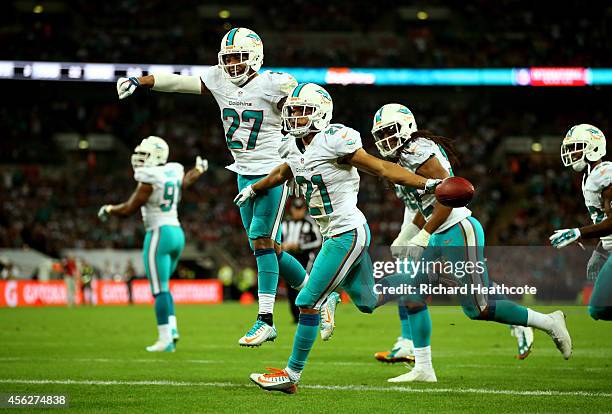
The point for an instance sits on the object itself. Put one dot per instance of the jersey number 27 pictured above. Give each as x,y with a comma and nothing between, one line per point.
246,116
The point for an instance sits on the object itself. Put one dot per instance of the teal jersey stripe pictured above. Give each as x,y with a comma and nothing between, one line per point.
230,37
296,91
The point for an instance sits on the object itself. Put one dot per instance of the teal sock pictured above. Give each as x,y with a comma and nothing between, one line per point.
161,308
506,311
405,322
267,271
291,270
420,326
170,304
305,336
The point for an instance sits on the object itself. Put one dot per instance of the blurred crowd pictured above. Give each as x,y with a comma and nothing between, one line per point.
477,33
52,204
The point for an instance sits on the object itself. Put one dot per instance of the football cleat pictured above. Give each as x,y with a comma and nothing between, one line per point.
259,333
402,351
560,334
275,380
160,346
524,336
416,375
328,311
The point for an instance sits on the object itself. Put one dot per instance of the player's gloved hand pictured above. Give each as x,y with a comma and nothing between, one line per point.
126,86
431,185
104,212
201,164
596,262
417,245
563,237
294,189
398,247
245,195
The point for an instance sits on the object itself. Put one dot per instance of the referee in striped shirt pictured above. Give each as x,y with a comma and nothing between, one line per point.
301,238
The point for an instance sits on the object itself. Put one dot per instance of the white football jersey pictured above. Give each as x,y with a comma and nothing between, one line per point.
251,118
167,181
412,156
593,184
331,188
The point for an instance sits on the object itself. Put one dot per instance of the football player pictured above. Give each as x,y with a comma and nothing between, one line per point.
584,148
452,233
160,184
403,348
249,103
323,158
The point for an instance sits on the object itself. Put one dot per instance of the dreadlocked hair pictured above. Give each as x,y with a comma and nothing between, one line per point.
446,144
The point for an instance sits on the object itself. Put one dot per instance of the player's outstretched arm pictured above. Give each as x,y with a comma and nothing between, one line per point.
276,177
201,166
363,161
138,198
162,82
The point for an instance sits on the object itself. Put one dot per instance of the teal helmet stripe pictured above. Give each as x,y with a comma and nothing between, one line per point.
230,37
297,90
379,115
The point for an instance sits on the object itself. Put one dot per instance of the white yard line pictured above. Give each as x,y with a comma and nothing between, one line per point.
517,365
358,388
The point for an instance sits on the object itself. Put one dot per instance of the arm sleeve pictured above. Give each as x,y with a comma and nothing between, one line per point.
347,141
145,175
602,177
282,84
211,78
418,152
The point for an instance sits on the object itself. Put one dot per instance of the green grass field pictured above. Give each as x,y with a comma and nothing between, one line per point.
97,357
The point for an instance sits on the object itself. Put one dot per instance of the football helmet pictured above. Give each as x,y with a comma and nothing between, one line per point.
310,101
248,45
582,143
150,152
392,126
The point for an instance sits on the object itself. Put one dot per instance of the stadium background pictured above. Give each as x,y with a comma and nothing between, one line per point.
507,136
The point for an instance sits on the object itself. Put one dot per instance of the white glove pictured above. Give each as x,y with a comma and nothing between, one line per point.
398,247
431,185
417,245
201,164
563,237
104,212
294,189
126,86
245,195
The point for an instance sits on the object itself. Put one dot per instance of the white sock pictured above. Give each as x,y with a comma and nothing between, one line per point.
164,333
266,303
422,358
539,320
172,322
303,282
294,376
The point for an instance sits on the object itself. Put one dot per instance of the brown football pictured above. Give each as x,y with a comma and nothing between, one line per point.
455,192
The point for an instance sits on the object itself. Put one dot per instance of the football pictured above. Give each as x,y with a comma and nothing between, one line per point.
455,192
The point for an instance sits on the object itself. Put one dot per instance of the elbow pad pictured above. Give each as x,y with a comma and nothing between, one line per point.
165,82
